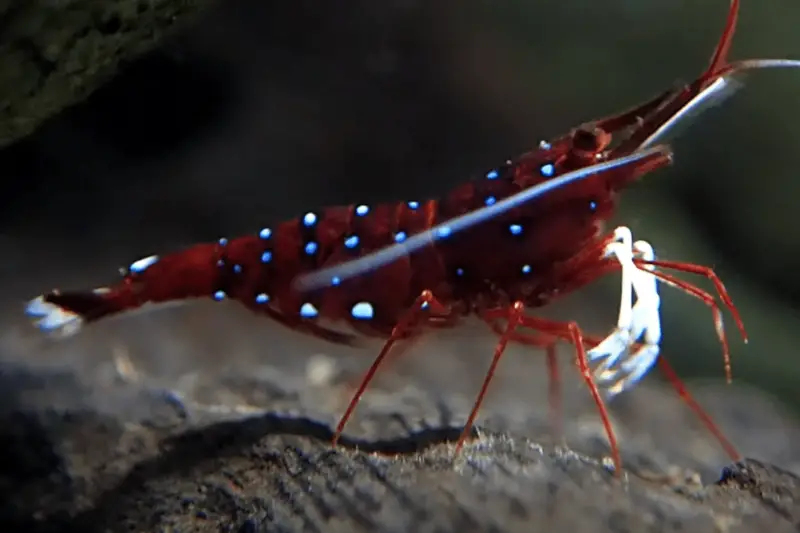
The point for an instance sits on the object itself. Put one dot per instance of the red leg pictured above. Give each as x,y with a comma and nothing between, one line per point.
409,338
699,411
703,296
569,331
554,392
706,272
687,397
424,304
554,379
666,369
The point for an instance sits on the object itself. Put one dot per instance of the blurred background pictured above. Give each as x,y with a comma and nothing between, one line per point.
262,110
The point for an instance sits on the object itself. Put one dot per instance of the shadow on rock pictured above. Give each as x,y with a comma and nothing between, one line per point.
197,452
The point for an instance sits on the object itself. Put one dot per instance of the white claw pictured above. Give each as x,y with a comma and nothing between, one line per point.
618,368
52,319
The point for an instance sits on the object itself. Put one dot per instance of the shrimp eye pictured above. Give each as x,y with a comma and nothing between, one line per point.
587,138
590,140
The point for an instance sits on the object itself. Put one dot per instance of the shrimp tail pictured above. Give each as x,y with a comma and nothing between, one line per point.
63,314
168,280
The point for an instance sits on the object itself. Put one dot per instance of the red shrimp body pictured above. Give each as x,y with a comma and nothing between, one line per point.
518,256
257,270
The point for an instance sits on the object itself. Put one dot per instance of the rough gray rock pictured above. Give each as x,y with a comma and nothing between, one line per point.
276,474
54,53
152,468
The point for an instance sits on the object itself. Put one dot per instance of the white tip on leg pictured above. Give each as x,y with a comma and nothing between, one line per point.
52,319
619,368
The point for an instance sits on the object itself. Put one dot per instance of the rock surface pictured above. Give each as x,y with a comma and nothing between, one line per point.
55,53
148,465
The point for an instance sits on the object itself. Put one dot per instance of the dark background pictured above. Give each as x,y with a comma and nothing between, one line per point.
264,109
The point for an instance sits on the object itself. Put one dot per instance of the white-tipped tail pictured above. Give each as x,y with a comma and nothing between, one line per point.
53,319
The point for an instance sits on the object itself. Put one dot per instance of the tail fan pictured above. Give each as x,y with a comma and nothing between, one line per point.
63,314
